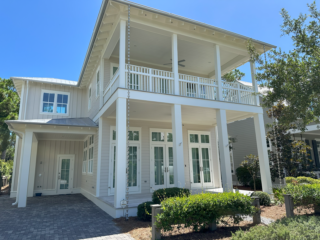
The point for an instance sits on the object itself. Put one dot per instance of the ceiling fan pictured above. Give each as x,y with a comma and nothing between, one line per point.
179,63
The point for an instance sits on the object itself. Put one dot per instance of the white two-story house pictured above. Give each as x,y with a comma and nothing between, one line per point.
72,136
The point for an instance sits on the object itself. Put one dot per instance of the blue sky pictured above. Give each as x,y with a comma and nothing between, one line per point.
50,38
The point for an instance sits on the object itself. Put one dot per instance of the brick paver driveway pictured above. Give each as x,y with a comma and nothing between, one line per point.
67,217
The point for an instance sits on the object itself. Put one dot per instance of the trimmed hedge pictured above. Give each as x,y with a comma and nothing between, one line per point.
304,194
145,211
264,198
306,180
159,195
199,210
297,228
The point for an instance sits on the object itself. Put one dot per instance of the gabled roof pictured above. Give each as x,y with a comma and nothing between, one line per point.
72,122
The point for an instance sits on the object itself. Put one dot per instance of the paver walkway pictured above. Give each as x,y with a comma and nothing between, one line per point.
67,217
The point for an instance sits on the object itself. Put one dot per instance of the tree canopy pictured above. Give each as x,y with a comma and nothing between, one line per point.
293,77
9,110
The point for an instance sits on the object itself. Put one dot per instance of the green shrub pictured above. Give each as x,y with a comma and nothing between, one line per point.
159,195
300,180
297,228
199,210
144,211
303,194
243,176
278,195
258,184
264,198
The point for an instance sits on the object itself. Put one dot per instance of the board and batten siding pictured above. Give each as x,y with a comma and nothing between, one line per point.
47,163
16,167
77,101
145,148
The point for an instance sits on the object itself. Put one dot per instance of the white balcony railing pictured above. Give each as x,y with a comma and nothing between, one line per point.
159,81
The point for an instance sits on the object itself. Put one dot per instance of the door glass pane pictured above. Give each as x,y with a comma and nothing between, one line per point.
134,135
169,137
196,165
158,166
133,167
64,179
171,171
194,138
158,137
114,166
204,138
206,165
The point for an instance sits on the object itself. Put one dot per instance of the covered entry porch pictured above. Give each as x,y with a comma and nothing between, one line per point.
49,157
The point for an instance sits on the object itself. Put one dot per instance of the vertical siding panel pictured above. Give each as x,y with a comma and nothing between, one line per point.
51,165
46,165
56,163
76,163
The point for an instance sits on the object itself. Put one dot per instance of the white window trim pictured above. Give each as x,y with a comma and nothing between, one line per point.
111,69
92,159
89,98
97,92
210,146
131,143
55,102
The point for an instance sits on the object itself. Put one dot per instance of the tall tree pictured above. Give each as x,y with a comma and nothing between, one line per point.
294,77
9,110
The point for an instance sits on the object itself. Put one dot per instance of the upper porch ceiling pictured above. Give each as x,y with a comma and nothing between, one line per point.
112,11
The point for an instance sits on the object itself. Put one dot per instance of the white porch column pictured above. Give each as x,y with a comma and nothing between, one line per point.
263,153
100,148
254,82
101,76
121,152
122,54
175,65
25,167
224,150
217,70
178,160
32,171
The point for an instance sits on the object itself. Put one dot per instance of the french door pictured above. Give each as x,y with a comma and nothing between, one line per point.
134,161
162,167
201,166
65,174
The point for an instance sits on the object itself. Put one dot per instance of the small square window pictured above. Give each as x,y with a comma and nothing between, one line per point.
194,138
157,136
133,135
204,138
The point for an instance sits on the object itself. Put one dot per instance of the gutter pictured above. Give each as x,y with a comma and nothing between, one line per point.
18,134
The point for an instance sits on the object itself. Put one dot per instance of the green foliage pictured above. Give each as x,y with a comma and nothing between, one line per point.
243,176
159,195
298,228
9,110
199,210
233,76
251,162
278,195
257,183
300,180
264,198
145,211
6,168
303,194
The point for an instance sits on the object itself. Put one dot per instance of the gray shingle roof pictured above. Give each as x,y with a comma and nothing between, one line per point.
73,122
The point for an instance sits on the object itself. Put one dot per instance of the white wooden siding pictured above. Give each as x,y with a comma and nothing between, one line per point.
46,165
16,170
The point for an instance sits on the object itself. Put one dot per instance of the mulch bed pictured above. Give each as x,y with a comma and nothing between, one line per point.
277,212
141,230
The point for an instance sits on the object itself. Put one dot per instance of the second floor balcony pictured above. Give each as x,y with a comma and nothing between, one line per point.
163,82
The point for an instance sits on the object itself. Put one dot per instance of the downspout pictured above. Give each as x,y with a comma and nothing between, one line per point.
22,134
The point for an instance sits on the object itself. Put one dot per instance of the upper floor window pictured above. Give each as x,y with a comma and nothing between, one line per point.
98,84
89,98
53,102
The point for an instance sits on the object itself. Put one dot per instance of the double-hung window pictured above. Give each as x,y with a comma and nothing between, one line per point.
85,155
98,84
90,161
53,102
89,98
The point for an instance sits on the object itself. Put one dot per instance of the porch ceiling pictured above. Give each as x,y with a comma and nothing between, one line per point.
159,112
154,50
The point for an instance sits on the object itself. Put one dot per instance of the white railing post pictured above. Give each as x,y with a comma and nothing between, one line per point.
122,54
239,93
254,83
217,69
150,80
199,88
175,63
